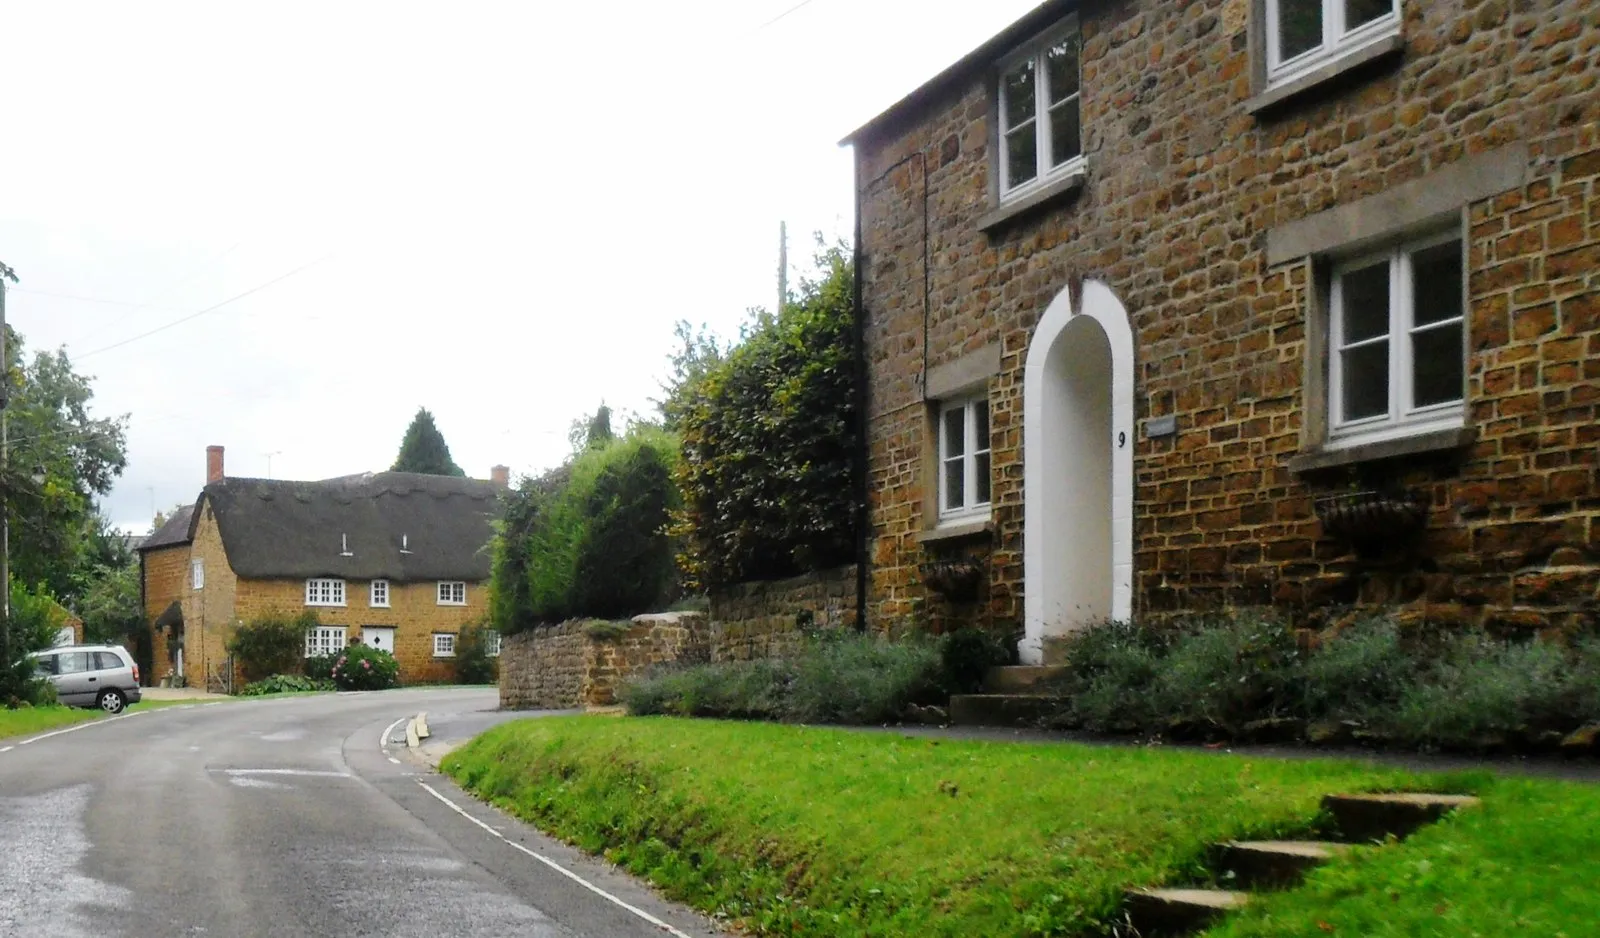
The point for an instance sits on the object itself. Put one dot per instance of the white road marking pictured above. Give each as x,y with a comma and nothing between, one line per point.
558,867
391,758
74,729
383,741
7,749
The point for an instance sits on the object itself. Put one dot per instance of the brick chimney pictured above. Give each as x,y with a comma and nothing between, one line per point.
213,464
500,476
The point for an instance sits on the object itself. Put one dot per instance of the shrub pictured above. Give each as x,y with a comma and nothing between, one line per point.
1224,673
589,539
33,627
771,471
473,664
965,655
1111,671
1483,693
1359,673
320,667
362,667
274,643
845,678
285,684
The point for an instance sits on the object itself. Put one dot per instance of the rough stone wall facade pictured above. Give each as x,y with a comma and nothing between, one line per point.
766,619
165,574
574,664
1183,182
208,613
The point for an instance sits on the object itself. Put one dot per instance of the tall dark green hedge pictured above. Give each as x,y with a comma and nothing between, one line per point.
770,466
590,538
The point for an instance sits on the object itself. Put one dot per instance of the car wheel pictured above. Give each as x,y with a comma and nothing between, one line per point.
111,701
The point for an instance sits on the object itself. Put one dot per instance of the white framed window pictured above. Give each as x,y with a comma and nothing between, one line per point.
1397,343
379,598
964,458
1303,34
324,640
1040,125
197,574
452,593
444,644
324,592
491,643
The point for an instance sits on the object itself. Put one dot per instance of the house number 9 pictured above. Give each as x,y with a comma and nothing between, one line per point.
1122,439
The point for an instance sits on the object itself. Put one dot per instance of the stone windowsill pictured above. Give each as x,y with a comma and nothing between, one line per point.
956,532
1049,194
1271,97
1437,441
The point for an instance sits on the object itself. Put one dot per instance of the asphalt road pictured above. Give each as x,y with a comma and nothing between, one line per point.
293,817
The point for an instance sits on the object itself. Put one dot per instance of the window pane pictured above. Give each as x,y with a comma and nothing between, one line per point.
1366,381
1064,141
46,665
1061,64
980,430
980,482
106,661
1299,27
1358,13
75,662
955,436
1022,155
1365,301
1438,360
955,490
1436,283
1018,94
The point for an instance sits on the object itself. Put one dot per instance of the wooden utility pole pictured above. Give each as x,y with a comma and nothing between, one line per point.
783,266
5,490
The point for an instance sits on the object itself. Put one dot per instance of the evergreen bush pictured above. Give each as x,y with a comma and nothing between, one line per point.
473,664
273,643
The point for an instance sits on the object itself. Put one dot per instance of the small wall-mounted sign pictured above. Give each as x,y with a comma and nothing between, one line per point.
1157,427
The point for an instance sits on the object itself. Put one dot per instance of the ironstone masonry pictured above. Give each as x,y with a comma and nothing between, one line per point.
1212,205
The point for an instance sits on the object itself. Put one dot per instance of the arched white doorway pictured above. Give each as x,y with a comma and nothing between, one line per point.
1077,451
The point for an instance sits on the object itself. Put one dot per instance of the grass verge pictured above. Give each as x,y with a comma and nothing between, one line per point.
26,722
808,831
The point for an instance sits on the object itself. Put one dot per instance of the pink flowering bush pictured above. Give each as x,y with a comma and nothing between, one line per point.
362,667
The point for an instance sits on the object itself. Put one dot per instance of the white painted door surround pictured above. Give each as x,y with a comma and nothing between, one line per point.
379,637
1077,453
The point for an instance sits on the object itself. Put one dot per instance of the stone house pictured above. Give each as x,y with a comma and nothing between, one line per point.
397,560
1174,306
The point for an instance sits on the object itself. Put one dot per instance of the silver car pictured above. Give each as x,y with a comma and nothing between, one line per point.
103,676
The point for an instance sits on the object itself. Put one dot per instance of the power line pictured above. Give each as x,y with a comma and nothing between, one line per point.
96,299
783,14
208,309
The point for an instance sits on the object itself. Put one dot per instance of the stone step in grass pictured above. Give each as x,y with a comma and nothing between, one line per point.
1375,817
1022,679
1164,912
1271,864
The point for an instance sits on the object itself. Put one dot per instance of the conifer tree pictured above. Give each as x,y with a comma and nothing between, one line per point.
424,449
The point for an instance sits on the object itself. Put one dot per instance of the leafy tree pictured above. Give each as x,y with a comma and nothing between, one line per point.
109,605
61,458
33,628
592,432
770,471
424,449
699,351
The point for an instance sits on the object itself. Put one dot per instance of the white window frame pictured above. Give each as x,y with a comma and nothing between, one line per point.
971,450
325,591
1336,41
444,644
491,643
1403,418
1045,172
325,640
197,574
448,589
378,594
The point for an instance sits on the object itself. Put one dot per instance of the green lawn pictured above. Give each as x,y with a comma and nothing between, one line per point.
38,719
797,830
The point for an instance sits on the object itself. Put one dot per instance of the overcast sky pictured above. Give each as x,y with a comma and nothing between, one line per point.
494,210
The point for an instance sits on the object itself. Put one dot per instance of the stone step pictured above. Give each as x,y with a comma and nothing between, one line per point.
1156,912
1000,709
1272,864
1021,679
1365,818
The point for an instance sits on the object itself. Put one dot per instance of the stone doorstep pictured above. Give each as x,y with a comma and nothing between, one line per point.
1363,818
1020,679
999,709
1269,864
1179,911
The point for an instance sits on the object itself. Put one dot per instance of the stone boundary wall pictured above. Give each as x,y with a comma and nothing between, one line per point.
766,619
581,663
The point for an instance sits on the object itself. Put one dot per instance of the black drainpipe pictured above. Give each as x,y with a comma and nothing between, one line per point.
863,532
